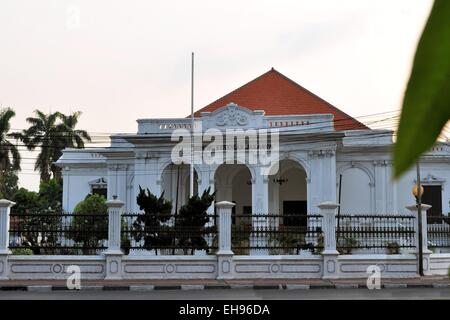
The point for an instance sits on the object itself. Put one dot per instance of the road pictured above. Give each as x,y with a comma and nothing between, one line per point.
233,294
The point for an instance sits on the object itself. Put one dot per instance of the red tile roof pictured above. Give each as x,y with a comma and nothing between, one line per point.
278,95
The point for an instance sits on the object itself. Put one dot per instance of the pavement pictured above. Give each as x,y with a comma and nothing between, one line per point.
429,282
232,295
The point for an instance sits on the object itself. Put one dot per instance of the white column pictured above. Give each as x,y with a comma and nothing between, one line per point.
380,187
5,210
205,182
225,254
425,251
329,253
146,174
260,208
66,189
113,254
260,194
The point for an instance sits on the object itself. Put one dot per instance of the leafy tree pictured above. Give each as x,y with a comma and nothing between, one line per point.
52,136
91,220
8,184
26,201
426,104
50,195
9,154
191,222
36,224
148,226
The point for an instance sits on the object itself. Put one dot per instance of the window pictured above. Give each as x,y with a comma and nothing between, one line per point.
432,195
99,186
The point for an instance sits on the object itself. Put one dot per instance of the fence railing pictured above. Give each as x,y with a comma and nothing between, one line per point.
58,233
438,228
375,233
260,234
168,234
276,234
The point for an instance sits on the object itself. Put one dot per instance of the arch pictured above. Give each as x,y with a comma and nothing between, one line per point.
301,161
232,184
357,194
167,162
288,188
173,184
347,166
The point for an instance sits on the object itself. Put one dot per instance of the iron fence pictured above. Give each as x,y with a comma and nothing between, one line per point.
168,234
438,231
276,234
375,233
58,233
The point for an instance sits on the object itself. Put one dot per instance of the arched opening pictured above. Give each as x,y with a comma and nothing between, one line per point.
233,182
288,191
175,184
355,192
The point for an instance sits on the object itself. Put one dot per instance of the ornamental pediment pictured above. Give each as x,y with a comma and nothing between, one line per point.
232,116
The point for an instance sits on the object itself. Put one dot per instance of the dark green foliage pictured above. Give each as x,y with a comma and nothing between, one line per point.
50,195
426,104
22,252
26,201
9,153
8,184
52,133
91,218
192,219
148,225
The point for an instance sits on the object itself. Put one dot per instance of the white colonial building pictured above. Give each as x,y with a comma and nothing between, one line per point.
319,146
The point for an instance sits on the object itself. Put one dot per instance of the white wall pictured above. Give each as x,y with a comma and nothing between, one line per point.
355,192
76,185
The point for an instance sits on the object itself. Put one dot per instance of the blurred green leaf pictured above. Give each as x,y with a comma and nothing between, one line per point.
426,104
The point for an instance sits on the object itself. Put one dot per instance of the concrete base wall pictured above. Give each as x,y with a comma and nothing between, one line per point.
238,267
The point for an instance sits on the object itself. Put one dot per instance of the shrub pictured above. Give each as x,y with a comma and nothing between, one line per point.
148,225
192,217
22,251
91,218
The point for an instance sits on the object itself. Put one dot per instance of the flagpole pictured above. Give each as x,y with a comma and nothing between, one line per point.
191,175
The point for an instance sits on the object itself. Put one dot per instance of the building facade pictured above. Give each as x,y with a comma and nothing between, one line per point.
323,155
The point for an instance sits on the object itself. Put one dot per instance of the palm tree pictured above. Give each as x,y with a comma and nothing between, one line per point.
73,138
9,154
52,136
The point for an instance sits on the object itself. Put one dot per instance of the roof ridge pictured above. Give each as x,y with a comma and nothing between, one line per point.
231,92
317,105
316,96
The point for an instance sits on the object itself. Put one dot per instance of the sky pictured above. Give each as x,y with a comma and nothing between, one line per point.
117,61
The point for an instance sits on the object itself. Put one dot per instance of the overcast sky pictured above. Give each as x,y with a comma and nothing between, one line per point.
117,61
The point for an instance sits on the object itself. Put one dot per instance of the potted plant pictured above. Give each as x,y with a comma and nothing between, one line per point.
346,244
393,247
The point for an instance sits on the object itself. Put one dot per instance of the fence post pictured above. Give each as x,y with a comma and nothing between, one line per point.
330,255
425,251
113,254
224,255
5,210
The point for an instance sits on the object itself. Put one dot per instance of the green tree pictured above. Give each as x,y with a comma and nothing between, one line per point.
191,222
148,226
9,153
52,133
8,184
36,224
426,104
50,195
90,223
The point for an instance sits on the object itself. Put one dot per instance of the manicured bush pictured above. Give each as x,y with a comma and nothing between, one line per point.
91,220
22,251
